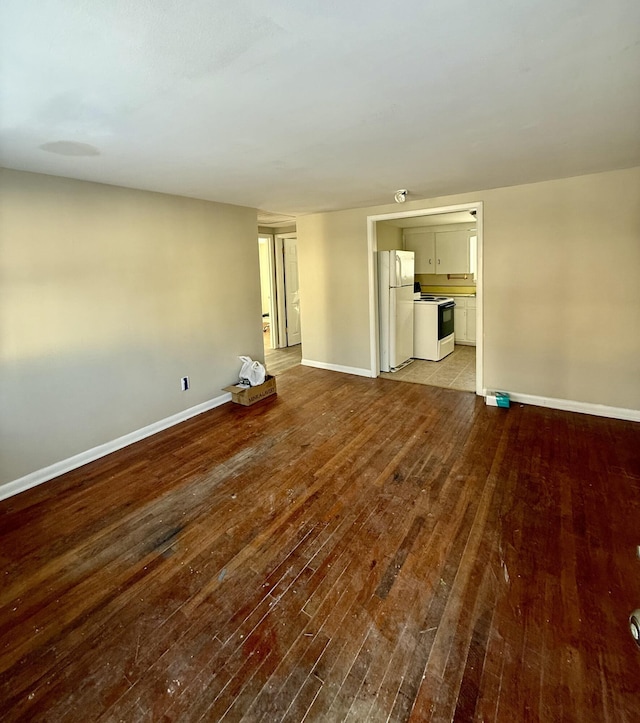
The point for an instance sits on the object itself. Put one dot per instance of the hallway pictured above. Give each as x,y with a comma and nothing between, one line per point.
278,360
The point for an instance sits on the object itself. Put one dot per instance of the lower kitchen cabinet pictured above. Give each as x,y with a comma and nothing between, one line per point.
464,320
460,322
471,321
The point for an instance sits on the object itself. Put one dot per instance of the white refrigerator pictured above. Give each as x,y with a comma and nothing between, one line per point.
395,307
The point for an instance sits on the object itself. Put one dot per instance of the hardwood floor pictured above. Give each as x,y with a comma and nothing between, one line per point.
352,549
279,360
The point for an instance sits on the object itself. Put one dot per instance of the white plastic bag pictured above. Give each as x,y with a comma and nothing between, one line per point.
251,371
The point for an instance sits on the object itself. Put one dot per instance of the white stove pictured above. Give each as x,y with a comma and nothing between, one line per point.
427,298
433,337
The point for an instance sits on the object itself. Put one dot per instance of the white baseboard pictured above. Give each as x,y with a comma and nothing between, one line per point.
568,405
66,465
336,368
55,470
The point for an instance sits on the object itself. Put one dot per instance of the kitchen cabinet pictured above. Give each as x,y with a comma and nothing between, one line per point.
423,245
452,252
464,319
471,320
460,322
441,252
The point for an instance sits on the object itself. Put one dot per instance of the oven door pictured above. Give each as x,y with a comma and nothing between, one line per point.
445,319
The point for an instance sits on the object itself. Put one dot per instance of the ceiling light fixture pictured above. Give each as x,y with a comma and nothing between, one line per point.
401,195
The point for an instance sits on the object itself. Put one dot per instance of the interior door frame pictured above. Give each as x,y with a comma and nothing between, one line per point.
374,340
273,306
281,286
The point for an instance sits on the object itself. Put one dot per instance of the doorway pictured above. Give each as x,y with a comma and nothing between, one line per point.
291,291
386,229
288,290
280,298
267,290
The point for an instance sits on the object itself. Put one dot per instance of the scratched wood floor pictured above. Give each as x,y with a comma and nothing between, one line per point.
354,549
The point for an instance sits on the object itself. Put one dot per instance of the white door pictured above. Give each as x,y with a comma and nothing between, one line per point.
292,291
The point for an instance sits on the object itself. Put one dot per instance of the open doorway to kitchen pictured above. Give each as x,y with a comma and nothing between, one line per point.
447,246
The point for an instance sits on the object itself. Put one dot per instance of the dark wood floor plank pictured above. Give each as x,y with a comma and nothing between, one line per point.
352,549
330,616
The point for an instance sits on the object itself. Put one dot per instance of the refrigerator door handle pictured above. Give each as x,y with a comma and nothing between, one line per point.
398,279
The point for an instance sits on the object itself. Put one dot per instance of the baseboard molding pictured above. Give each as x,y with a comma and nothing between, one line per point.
66,465
567,405
336,368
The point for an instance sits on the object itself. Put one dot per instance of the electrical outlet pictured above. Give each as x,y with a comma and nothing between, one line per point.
184,383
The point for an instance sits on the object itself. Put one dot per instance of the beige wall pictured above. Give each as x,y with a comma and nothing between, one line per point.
107,297
334,288
442,280
274,230
284,229
561,292
388,237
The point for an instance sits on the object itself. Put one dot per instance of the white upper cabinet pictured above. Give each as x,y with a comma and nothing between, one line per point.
442,252
423,245
452,252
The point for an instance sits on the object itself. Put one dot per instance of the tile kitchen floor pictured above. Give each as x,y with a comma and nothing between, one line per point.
456,371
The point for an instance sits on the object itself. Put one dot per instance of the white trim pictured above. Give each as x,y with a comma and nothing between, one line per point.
373,285
374,323
479,207
424,211
66,465
278,250
273,295
568,405
336,368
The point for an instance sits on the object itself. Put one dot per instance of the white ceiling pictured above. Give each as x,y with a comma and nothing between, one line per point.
294,106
